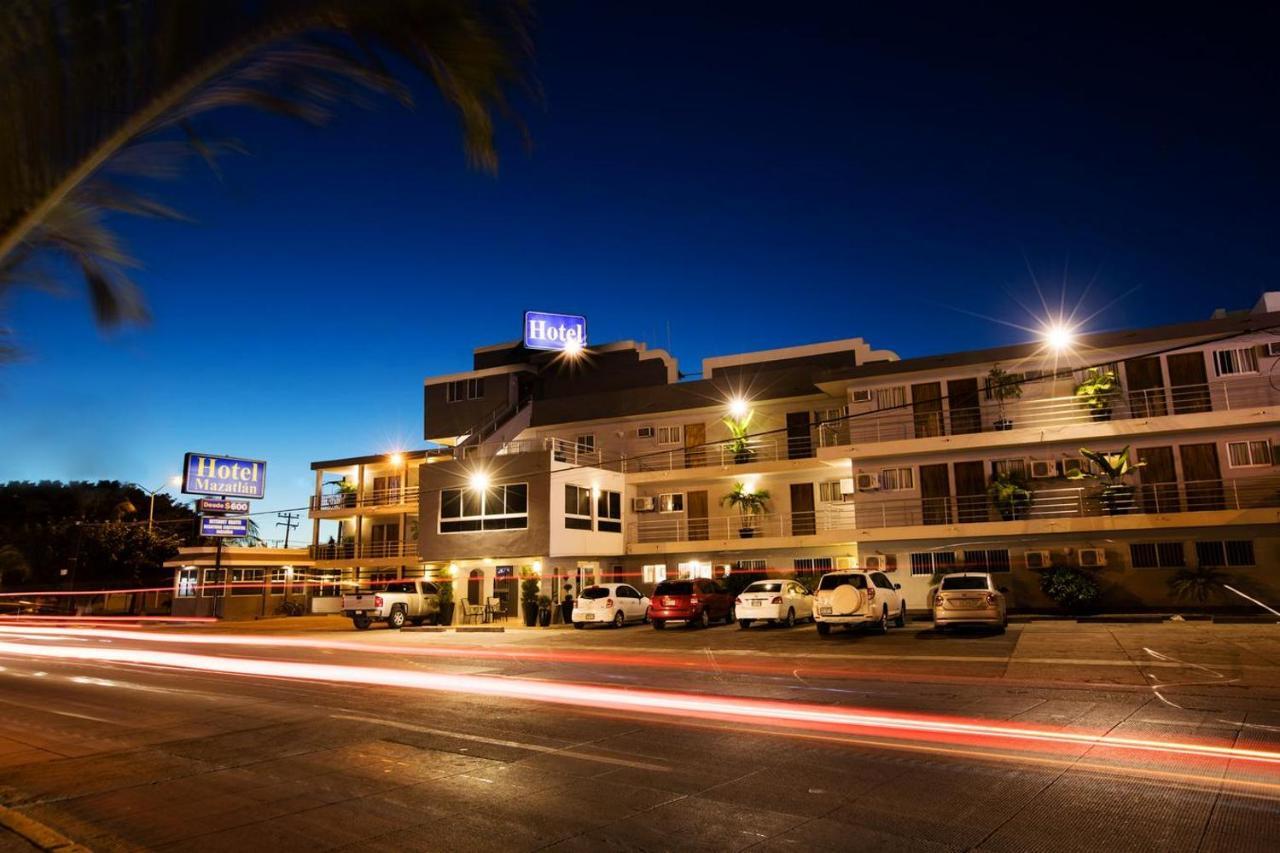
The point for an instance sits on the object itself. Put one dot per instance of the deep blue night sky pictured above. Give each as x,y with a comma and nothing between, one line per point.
745,178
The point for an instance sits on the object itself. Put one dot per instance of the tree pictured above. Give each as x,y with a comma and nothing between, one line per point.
14,570
1069,587
122,552
101,93
1200,584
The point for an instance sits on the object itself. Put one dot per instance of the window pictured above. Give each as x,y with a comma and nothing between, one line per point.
577,507
188,579
1230,362
609,512
897,479
464,389
991,560
1009,467
1156,555
503,507
670,434
644,432
672,502
694,569
890,398
828,416
326,583
1248,454
655,573
931,562
585,443
965,583
1237,552
812,564
280,577
750,567
213,581
830,492
834,581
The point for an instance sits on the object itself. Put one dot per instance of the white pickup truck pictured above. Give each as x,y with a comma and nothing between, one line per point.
396,603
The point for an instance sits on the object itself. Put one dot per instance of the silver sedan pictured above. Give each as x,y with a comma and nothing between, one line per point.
969,598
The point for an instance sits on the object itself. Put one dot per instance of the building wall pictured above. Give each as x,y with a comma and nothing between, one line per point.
530,468
564,541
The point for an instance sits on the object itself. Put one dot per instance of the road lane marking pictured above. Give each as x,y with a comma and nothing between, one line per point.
531,747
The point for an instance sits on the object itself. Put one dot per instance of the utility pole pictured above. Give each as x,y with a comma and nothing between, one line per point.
289,523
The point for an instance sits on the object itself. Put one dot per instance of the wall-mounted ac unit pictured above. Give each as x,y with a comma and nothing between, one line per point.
861,395
643,504
1091,558
1037,559
844,563
644,432
873,563
866,482
1043,468
846,485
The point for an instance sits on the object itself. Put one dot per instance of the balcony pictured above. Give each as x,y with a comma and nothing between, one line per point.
341,551
907,422
1045,505
370,499
721,454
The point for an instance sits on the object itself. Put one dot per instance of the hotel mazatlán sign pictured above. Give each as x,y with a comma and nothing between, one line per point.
223,476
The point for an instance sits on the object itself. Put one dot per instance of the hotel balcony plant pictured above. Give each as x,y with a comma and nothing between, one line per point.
1112,469
346,491
1098,392
529,598
1010,496
748,504
739,445
1003,386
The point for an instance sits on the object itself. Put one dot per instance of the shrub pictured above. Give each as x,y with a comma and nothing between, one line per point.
1069,587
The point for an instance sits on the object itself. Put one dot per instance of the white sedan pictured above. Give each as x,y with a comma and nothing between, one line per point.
777,602
613,604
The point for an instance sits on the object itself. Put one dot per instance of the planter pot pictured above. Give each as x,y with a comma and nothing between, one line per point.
1117,500
1003,425
530,615
544,617
566,611
1100,414
746,532
446,613
742,457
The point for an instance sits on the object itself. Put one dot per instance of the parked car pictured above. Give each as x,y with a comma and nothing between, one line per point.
696,602
613,604
969,598
858,598
396,603
774,601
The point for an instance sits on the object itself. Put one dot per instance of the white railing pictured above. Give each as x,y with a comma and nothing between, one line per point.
678,528
906,422
722,454
366,550
370,498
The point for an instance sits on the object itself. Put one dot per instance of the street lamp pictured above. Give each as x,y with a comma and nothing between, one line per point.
1059,336
739,408
175,480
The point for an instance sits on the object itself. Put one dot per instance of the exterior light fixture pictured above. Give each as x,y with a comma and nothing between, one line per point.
738,407
1059,337
479,481
396,459
537,567
572,347
452,571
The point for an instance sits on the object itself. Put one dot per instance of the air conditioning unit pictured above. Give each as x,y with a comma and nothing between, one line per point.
1043,468
643,504
1037,559
844,563
862,395
1092,558
846,485
873,563
867,482
644,432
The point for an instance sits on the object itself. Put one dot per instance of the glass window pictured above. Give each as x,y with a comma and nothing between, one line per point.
503,507
673,502
246,581
1238,552
1231,362
987,560
765,586
1247,454
1156,555
279,577
837,580
213,582
592,593
674,588
670,434
609,512
812,564
577,507
965,582
931,562
890,398
188,579
654,573
896,479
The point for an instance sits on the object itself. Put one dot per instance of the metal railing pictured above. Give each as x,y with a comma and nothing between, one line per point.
723,454
366,550
989,416
1088,501
371,498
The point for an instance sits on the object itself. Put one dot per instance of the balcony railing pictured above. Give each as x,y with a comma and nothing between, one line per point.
1080,502
366,550
371,498
907,422
722,454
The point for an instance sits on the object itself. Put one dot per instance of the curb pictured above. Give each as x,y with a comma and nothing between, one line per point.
37,833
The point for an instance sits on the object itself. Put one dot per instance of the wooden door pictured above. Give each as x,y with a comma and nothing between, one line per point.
1159,480
803,520
1145,382
1189,383
695,439
695,506
799,436
935,494
971,491
966,411
926,406
1201,476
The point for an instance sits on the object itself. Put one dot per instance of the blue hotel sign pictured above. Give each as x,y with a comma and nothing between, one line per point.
223,476
217,525
553,331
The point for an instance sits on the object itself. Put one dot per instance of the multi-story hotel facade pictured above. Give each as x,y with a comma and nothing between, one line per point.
586,466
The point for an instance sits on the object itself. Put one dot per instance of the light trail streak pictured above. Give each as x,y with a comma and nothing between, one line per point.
89,619
681,706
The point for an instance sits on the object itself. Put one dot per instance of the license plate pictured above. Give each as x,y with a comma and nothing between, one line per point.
588,616
669,602
756,602
824,611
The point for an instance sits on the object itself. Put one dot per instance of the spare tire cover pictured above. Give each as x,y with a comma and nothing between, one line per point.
845,599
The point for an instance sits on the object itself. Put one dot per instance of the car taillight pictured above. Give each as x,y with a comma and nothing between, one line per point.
871,593
377,601
991,598
777,599
693,599
737,601
608,602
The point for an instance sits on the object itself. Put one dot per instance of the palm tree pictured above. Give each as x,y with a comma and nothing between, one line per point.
99,93
747,503
1200,584
1112,469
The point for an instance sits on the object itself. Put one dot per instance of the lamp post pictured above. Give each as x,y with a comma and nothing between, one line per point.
151,514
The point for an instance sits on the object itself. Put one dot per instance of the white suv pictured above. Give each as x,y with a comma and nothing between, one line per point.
858,598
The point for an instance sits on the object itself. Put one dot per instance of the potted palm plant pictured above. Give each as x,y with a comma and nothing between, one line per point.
1009,493
1098,391
1116,495
739,443
748,504
529,599
1003,386
445,586
544,611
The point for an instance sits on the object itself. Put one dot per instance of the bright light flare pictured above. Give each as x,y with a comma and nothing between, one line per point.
739,407
175,480
572,348
396,459
479,481
1059,337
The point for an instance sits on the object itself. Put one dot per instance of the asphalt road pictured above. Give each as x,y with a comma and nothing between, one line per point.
1051,737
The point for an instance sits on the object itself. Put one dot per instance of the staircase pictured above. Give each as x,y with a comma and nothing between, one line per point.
498,427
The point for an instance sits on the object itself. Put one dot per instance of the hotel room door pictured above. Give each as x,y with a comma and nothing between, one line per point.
695,436
696,513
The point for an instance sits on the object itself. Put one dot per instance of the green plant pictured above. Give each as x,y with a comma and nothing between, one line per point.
1112,469
529,589
1201,584
747,503
1098,390
1069,587
1003,386
739,429
345,487
544,602
1009,492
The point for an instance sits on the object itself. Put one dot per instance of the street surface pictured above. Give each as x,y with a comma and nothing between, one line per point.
1054,736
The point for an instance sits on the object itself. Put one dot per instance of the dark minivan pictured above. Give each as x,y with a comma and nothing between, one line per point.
695,602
